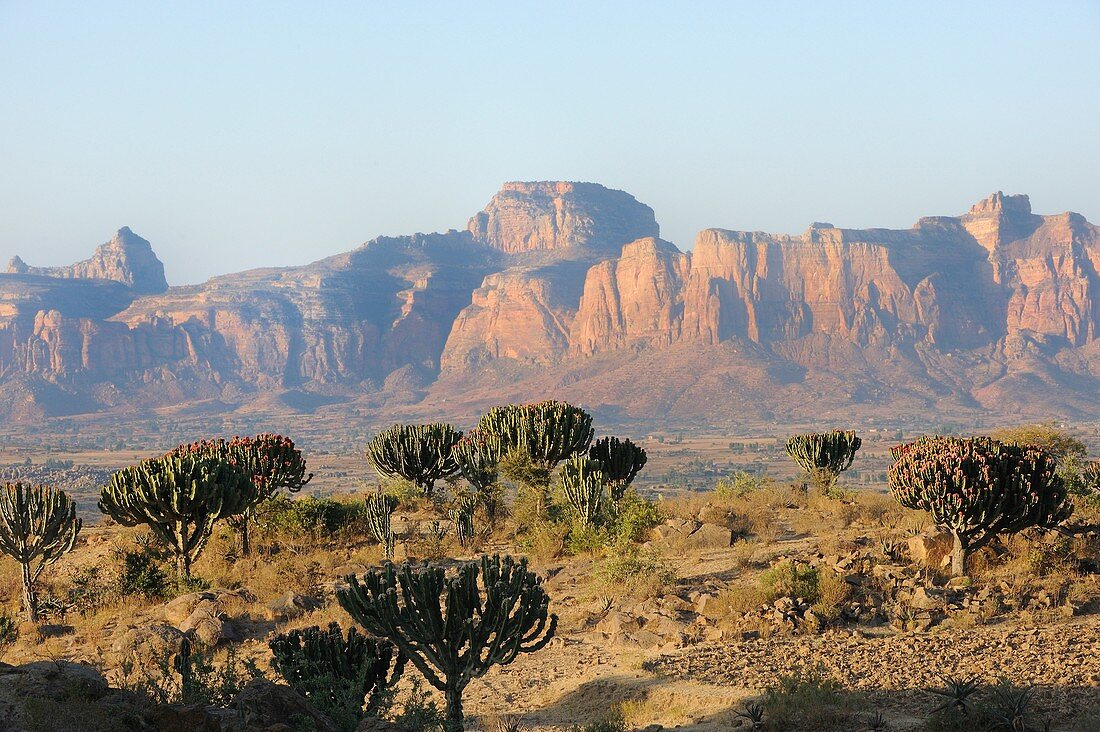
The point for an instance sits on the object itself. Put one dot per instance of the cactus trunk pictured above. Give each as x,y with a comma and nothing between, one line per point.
30,611
453,697
246,548
958,555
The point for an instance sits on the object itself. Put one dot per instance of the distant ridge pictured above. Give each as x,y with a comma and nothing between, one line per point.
566,289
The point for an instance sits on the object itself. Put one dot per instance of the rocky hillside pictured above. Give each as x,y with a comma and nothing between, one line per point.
566,289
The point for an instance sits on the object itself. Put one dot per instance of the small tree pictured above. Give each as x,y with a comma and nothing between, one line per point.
1047,436
180,497
379,508
338,674
978,488
38,525
621,461
271,460
454,630
824,455
419,453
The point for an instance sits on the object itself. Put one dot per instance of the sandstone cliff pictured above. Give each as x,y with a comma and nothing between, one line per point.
564,289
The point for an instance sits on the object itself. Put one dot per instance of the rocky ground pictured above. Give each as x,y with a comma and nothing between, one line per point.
680,655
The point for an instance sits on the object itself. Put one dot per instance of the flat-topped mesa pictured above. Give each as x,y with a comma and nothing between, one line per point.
546,215
126,258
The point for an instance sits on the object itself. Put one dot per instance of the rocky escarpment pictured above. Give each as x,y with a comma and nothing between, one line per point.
566,289
126,258
947,283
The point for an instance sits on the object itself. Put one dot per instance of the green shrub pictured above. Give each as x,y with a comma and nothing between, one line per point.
142,574
790,578
418,710
740,484
9,631
585,538
310,516
633,570
635,516
191,677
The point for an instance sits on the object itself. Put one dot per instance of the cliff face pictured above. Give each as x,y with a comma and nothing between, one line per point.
564,289
126,258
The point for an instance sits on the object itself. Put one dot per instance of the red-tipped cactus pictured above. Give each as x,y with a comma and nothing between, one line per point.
271,460
978,488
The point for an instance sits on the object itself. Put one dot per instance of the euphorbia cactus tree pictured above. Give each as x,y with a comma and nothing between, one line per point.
547,432
824,455
419,453
583,480
271,460
478,456
38,525
454,629
621,461
180,497
978,488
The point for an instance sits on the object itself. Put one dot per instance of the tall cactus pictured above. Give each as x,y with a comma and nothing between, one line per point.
621,460
379,509
548,432
38,525
824,455
180,497
478,456
339,675
272,460
454,629
461,514
420,453
583,481
978,488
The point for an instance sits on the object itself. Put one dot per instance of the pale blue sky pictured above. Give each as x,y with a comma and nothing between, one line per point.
234,135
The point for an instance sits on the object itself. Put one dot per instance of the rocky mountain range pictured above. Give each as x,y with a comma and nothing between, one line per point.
567,290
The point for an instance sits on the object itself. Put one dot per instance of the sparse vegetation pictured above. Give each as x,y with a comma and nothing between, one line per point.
754,561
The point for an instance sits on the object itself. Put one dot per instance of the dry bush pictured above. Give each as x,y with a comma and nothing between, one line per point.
808,700
878,509
832,593
544,541
833,544
735,601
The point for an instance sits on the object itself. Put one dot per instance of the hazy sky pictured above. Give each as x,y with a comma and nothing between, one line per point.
234,135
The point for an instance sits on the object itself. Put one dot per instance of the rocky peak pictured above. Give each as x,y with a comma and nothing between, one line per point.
580,218
1000,219
126,258
999,204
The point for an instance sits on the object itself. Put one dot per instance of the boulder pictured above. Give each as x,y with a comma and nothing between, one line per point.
263,704
291,605
210,627
930,546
